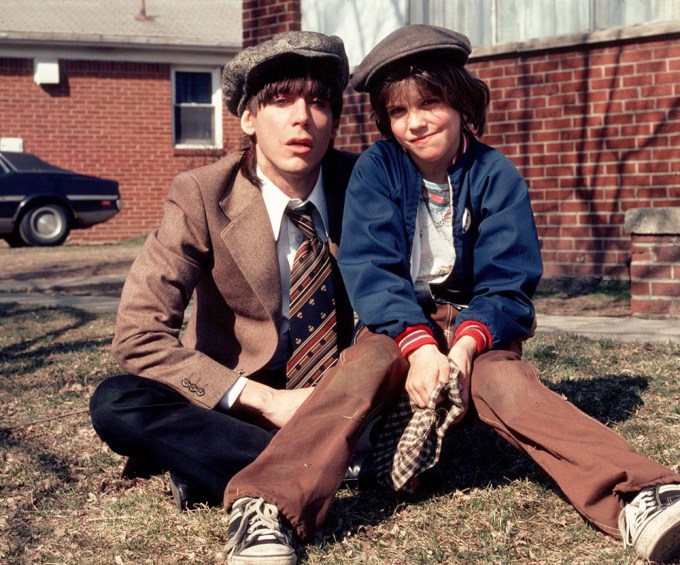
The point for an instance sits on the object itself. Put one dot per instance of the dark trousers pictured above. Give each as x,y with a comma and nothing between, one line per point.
143,418
298,469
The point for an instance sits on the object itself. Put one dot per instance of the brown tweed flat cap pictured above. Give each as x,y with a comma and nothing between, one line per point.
406,42
248,70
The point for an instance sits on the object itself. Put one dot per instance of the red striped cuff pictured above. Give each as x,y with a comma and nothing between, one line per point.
477,331
414,337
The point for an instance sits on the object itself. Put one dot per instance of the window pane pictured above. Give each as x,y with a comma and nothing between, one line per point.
522,20
193,88
489,22
194,125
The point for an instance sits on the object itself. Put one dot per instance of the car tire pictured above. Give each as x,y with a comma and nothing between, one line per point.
45,225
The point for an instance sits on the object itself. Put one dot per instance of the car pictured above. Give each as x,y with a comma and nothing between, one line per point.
40,203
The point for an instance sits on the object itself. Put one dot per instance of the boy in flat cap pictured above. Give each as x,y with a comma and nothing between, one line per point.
441,253
261,402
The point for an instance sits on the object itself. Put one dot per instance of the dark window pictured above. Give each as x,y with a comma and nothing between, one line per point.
194,110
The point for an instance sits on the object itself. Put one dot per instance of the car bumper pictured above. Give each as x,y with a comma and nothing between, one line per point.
90,213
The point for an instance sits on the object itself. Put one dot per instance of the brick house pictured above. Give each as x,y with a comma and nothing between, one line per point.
592,119
124,89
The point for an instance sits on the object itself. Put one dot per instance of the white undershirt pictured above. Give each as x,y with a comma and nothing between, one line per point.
434,253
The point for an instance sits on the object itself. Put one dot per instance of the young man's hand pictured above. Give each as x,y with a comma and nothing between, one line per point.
275,406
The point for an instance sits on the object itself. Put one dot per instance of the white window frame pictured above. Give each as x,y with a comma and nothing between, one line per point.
216,102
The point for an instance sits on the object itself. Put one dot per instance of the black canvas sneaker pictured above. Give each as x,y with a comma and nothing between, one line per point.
256,535
650,523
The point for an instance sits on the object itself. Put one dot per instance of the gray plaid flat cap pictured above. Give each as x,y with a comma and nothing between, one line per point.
406,42
248,69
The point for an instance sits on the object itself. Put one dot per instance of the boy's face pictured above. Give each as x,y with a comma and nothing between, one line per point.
427,127
292,132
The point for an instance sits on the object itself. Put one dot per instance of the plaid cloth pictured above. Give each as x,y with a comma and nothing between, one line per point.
411,439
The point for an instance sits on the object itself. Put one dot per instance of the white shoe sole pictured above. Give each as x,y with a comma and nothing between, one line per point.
660,540
261,560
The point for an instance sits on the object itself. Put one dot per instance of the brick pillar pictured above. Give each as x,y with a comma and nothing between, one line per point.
655,261
262,19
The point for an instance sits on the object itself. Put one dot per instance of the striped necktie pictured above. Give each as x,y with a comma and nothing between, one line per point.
312,321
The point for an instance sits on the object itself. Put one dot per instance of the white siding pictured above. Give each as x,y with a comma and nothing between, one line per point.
362,23
493,22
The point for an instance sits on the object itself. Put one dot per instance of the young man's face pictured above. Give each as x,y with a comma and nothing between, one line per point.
427,127
292,132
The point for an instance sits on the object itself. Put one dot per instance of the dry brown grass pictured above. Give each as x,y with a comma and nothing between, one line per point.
62,499
68,260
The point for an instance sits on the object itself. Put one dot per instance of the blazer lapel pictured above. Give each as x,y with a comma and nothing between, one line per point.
250,240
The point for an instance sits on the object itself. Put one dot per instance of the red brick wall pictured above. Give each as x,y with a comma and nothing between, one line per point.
264,18
107,119
594,130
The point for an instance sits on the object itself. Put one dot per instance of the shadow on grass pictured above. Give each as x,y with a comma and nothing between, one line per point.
74,318
568,287
608,399
61,271
474,456
49,477
37,349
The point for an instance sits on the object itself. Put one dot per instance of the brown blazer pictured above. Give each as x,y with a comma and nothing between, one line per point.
215,242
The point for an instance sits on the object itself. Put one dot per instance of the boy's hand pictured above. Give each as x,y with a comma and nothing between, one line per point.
428,365
462,354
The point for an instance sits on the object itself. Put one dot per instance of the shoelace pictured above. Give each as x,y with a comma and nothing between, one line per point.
263,521
638,511
259,519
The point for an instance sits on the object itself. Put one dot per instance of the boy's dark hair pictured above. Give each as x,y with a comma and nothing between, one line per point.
291,79
465,93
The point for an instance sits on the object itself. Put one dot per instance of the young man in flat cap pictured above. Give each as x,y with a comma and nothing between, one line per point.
249,406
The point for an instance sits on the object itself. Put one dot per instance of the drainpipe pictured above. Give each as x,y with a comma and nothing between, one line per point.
142,17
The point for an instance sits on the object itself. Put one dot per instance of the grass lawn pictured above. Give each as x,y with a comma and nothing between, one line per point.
62,499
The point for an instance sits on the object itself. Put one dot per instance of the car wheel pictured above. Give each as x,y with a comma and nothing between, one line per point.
47,224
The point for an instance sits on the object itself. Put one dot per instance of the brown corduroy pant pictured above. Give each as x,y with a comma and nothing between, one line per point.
592,465
303,465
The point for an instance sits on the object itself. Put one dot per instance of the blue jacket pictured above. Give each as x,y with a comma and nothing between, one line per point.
498,259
